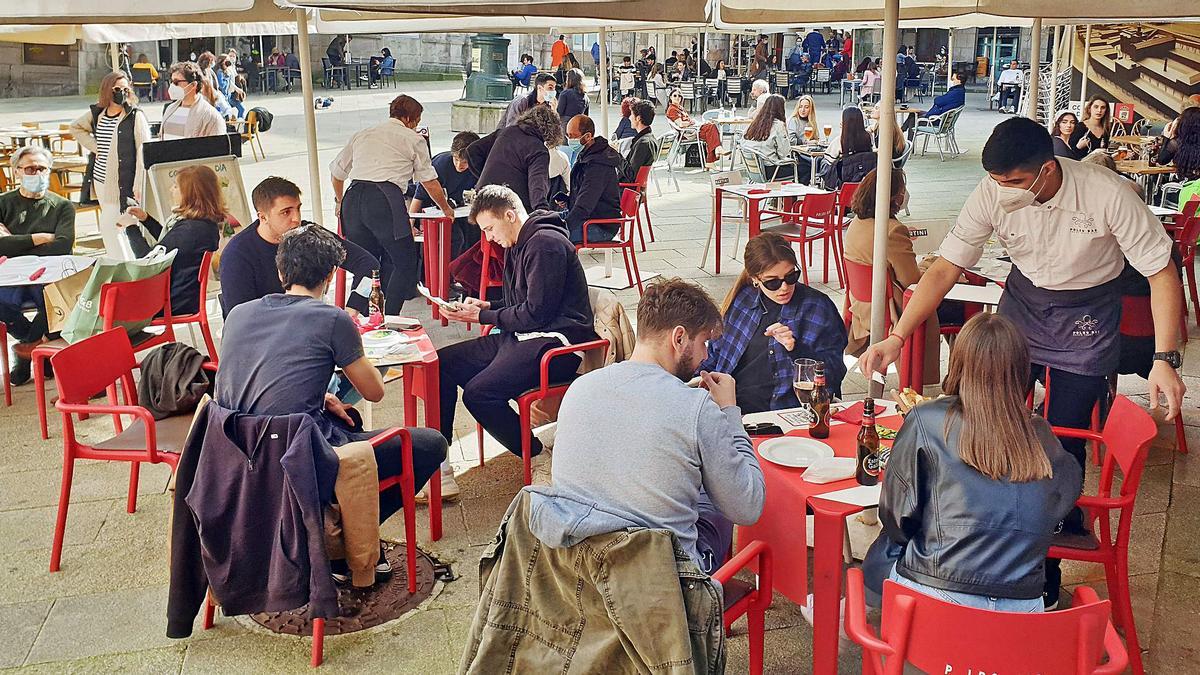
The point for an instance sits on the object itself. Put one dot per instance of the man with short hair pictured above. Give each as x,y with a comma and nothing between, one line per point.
520,77
1071,229
595,193
545,305
248,262
636,447
455,177
1010,87
643,149
544,92
33,221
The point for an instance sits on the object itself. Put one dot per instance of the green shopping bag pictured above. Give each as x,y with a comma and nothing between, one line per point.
84,320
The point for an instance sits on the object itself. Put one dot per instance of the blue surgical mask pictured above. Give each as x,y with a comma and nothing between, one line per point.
574,143
36,184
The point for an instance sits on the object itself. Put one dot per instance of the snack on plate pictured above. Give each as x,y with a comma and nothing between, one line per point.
907,399
885,434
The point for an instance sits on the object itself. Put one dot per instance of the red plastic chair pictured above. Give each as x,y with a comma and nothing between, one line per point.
98,363
1126,438
639,185
630,203
845,195
1185,233
812,219
941,637
1137,320
742,598
408,492
858,287
201,315
120,301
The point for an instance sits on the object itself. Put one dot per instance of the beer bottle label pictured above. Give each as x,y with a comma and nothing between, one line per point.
870,463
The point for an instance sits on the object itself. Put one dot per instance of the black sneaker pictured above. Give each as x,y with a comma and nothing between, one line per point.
383,568
340,571
1053,585
21,373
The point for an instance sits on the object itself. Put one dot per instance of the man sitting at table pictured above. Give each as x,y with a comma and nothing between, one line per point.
955,97
595,193
279,351
455,176
248,262
643,149
545,305
1010,87
679,458
33,221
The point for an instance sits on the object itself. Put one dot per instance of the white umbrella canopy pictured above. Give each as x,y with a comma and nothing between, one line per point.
328,21
608,12
962,13
75,11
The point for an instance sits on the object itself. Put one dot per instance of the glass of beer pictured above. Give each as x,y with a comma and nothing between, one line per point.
828,131
804,380
809,132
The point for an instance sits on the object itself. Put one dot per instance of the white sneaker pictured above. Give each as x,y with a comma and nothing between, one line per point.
450,490
540,466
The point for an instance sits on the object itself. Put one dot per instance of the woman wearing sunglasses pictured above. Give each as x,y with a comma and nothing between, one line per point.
771,319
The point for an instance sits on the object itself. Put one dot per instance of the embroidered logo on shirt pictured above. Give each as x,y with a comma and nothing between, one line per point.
1083,224
1086,327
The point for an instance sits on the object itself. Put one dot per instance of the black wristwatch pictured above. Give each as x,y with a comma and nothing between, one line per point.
1172,358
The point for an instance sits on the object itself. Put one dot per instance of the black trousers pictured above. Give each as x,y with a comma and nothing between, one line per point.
492,371
367,221
1009,95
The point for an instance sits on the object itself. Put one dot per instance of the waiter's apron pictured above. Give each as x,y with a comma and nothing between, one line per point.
1077,331
380,207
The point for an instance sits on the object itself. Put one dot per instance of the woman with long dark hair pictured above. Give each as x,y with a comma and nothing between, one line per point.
708,132
768,137
771,319
1064,130
980,459
573,100
113,130
1092,133
852,137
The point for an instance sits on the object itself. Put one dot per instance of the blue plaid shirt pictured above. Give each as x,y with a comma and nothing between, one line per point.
817,325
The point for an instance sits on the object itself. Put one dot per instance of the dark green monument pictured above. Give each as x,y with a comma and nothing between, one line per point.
488,89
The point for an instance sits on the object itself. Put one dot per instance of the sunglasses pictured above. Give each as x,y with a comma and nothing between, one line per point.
791,279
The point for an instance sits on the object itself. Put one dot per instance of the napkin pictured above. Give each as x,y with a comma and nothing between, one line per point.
830,469
851,415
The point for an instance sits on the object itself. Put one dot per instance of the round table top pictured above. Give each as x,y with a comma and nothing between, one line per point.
1131,140
1142,166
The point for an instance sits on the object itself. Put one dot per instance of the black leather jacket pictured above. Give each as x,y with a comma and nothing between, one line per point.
962,531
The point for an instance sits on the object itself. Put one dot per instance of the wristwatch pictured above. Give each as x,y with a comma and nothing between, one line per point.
1172,358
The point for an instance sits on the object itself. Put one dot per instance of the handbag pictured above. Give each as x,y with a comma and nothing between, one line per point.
84,320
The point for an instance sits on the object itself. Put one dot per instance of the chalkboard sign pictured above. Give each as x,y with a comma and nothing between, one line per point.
229,173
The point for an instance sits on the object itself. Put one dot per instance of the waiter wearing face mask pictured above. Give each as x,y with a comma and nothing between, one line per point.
1070,229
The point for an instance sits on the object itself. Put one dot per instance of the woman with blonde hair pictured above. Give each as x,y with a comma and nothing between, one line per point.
193,229
771,319
977,484
113,130
803,115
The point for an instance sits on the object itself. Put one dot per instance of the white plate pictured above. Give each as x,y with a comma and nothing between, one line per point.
794,451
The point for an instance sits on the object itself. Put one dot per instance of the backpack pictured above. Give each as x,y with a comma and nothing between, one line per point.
265,118
173,380
848,169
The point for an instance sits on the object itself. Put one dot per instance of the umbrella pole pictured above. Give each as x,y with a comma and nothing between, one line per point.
310,115
114,56
604,82
1087,53
949,58
883,180
1035,64
992,65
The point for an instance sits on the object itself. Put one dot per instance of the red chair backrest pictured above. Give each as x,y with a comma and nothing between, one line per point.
629,203
846,193
643,177
90,365
942,637
1136,318
1127,434
132,301
818,206
1189,228
858,281
205,273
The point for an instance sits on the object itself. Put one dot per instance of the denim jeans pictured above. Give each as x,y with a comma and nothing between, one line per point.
1027,606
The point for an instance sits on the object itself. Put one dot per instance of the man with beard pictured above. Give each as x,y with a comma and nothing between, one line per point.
637,447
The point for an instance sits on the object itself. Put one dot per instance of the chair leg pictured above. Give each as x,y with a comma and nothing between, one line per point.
39,385
526,443
636,274
318,645
479,438
625,250
64,500
1117,576
803,261
756,627
4,364
210,610
641,235
646,208
1190,270
131,500
1180,438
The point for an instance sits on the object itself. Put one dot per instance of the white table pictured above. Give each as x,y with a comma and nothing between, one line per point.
755,194
16,271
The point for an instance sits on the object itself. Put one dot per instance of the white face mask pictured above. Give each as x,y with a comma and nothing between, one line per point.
176,92
549,96
1014,199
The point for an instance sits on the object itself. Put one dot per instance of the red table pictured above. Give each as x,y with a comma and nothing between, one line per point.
782,528
421,381
436,230
755,195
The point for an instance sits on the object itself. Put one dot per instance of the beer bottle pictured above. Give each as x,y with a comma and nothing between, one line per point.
867,471
819,426
375,305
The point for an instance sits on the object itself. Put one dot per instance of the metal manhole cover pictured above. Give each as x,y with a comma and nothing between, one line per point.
363,608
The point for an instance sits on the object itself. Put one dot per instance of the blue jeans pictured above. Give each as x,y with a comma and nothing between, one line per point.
1027,606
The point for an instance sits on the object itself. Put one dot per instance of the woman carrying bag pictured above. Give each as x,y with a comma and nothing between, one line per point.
113,130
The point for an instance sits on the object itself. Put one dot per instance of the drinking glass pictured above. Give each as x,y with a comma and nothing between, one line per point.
809,132
828,131
804,380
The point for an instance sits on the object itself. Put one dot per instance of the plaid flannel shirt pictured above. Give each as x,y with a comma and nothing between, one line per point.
817,325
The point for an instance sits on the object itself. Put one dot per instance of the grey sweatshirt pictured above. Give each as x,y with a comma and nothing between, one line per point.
634,448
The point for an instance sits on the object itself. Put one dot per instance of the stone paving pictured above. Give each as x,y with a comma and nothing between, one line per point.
104,612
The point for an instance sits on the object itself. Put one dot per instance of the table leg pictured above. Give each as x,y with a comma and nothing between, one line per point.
445,233
717,227
432,262
754,226
916,348
829,533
